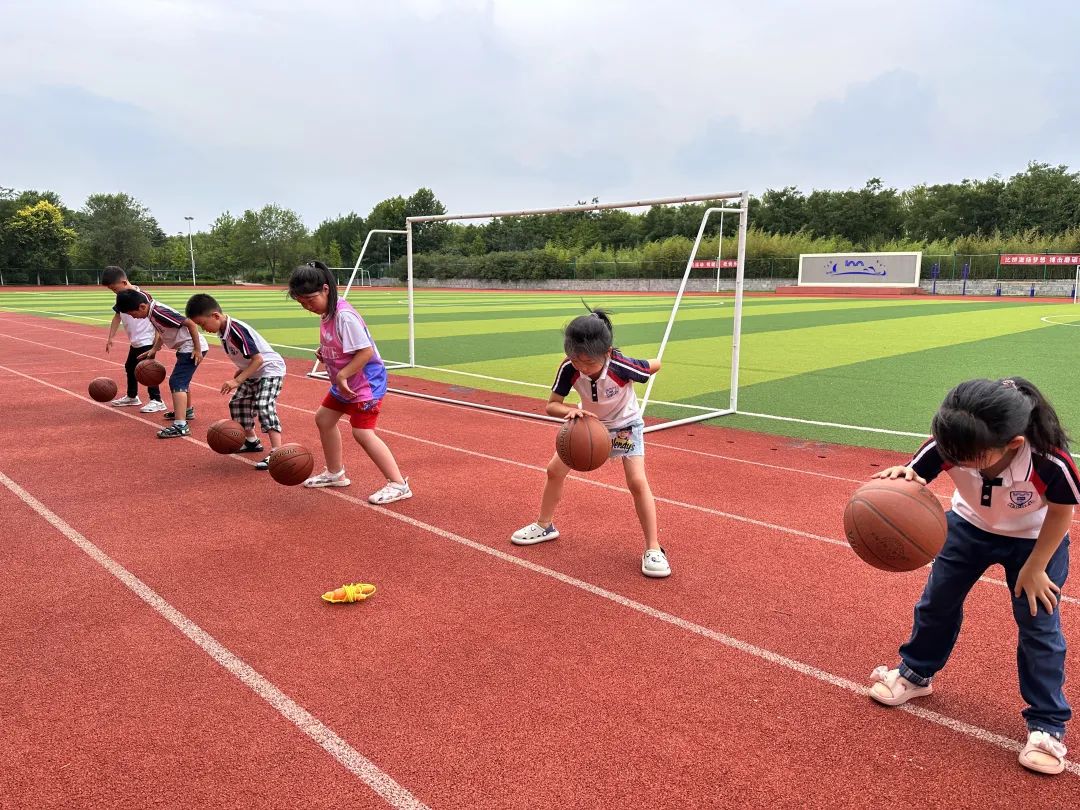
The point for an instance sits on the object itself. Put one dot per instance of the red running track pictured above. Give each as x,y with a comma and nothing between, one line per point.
479,674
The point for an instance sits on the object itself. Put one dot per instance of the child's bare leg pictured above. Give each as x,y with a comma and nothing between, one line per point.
556,477
326,420
275,439
644,504
180,401
378,452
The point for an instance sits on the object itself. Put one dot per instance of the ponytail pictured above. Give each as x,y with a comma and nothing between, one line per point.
309,278
1044,430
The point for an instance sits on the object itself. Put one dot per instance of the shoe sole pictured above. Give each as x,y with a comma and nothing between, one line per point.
910,694
125,404
175,436
525,541
344,483
656,574
392,500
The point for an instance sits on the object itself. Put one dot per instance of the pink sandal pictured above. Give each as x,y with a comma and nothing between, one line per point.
890,688
1043,753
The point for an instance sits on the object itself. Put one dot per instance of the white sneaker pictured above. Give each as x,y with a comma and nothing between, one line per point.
391,492
328,479
153,406
123,402
654,563
534,533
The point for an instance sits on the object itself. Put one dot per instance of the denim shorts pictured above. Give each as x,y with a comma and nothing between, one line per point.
628,441
182,372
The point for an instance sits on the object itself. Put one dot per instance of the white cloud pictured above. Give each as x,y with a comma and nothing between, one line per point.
331,106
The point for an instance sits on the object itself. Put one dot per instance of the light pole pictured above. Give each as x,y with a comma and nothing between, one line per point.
191,248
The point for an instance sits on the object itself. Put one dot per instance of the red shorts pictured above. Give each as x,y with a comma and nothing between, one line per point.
362,415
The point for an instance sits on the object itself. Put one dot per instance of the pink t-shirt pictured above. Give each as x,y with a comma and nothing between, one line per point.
341,337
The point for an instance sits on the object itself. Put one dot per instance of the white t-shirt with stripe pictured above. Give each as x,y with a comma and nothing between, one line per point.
1014,503
241,343
140,331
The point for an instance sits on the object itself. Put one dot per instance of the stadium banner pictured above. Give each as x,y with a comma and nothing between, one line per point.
860,269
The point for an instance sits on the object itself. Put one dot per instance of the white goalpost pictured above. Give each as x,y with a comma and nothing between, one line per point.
724,203
358,270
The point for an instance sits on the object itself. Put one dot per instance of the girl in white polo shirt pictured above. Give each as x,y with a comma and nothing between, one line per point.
604,379
1016,486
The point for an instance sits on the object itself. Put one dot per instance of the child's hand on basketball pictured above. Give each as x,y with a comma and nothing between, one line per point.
229,386
1038,587
343,385
900,471
147,356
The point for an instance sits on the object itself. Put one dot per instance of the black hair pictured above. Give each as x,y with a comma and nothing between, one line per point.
129,300
589,335
201,304
112,274
309,278
982,415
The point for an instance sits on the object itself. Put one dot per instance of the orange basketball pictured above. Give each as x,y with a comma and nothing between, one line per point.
583,444
895,525
102,389
291,464
150,372
225,436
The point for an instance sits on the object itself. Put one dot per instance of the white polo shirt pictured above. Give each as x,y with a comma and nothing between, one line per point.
610,396
1014,503
241,343
170,324
140,331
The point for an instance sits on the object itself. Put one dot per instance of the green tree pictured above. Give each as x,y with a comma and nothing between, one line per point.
273,238
116,229
39,238
1043,197
348,231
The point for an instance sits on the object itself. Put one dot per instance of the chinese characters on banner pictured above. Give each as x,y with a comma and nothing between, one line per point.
1040,258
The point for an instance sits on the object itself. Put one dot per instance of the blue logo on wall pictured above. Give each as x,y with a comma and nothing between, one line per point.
855,267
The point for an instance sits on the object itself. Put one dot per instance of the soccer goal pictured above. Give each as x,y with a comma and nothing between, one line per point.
706,387
358,270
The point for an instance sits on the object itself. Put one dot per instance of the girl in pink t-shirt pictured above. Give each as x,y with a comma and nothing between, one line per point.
357,382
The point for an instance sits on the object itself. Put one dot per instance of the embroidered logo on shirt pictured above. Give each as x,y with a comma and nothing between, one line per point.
1020,498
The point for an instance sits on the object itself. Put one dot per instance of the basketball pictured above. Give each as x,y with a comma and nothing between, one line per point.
291,464
102,389
583,444
150,372
225,436
895,525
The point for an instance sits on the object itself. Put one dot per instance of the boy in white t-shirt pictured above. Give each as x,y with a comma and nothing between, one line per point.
260,373
140,337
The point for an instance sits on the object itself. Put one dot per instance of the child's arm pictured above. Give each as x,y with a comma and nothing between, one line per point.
654,365
1033,579
193,330
112,330
557,408
358,361
150,353
242,376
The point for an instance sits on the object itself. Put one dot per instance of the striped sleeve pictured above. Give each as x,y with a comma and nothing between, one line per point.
927,462
166,317
565,379
241,340
1058,472
628,368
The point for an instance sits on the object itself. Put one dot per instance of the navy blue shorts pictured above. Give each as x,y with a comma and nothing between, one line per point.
183,371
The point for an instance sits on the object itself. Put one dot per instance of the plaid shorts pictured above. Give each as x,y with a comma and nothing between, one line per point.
257,396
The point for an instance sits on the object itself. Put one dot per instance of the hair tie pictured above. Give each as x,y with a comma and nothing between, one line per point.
1008,383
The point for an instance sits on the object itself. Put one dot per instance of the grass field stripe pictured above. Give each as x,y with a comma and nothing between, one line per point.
976,732
356,763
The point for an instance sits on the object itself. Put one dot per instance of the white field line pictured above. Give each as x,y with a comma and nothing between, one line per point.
958,726
322,735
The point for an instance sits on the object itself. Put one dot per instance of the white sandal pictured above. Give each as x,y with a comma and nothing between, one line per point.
890,688
1044,753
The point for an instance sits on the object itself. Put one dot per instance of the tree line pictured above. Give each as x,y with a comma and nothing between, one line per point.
1036,210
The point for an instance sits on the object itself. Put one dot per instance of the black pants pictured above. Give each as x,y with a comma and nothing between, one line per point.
129,367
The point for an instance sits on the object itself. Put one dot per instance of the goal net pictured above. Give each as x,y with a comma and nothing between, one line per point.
500,349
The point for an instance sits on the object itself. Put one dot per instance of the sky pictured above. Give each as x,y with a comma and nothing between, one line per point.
196,107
